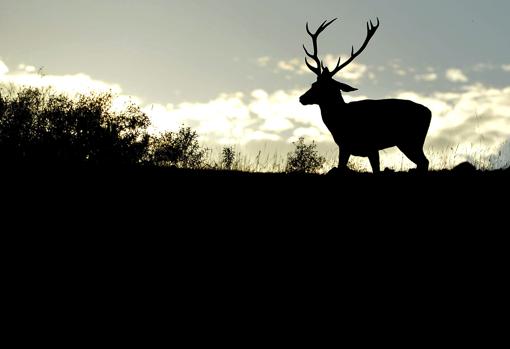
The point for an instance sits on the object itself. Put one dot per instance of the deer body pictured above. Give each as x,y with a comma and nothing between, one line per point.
363,128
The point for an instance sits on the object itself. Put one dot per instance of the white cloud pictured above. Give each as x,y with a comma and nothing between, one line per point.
3,69
261,136
395,64
401,72
397,68
224,120
506,67
238,119
476,118
27,68
263,61
482,67
310,133
281,105
456,75
292,65
353,72
71,84
429,77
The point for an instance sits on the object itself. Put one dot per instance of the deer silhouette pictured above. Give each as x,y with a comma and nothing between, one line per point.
365,127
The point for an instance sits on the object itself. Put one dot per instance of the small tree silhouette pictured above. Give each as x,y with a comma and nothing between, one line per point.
228,157
305,158
180,149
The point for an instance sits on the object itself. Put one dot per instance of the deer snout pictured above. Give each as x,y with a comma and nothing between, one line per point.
304,100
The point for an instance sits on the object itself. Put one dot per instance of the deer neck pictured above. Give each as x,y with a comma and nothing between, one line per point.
331,108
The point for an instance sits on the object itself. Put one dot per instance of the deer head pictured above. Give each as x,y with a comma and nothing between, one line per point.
327,89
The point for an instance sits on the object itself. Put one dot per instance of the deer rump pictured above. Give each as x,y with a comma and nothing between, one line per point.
364,127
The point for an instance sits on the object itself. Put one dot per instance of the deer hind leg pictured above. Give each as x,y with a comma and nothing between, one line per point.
375,162
343,160
416,155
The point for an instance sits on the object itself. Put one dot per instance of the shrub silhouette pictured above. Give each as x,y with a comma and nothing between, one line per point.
180,149
228,157
304,158
39,127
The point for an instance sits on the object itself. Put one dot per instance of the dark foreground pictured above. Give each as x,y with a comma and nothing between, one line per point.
108,182
210,216
172,191
183,204
194,239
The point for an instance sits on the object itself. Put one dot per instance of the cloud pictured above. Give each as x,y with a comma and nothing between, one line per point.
473,119
72,84
263,61
353,72
456,75
292,65
224,120
27,68
281,111
429,77
505,67
310,133
240,119
482,67
397,69
3,69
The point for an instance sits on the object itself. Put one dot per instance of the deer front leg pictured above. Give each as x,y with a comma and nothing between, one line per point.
375,162
343,160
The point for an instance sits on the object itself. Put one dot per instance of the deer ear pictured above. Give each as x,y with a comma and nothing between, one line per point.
346,88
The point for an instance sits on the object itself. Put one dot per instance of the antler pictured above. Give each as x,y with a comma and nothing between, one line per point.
315,55
371,29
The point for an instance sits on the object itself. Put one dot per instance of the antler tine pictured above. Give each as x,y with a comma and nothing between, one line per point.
315,55
324,25
316,70
371,29
338,64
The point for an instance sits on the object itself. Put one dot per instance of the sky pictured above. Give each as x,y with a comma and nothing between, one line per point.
234,69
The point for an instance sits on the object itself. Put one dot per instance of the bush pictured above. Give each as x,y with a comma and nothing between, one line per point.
39,127
228,157
180,149
305,158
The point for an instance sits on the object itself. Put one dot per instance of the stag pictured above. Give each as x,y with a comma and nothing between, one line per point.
365,127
